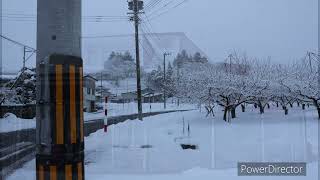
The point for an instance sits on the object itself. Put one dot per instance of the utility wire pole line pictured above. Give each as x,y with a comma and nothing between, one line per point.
230,59
310,63
164,79
136,6
101,94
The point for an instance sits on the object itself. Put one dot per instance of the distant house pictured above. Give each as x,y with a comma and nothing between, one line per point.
128,97
102,92
148,96
152,97
89,93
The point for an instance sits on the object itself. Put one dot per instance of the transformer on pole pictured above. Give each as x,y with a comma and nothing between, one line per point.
59,132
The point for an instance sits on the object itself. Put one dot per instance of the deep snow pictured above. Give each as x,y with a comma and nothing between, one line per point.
12,123
251,137
117,109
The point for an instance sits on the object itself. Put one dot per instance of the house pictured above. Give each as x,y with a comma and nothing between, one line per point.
148,96
102,92
152,97
89,93
128,97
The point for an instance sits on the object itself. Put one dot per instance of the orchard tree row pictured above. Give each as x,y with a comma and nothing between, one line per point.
242,80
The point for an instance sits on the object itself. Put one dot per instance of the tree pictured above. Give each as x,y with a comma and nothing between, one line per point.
154,80
169,84
197,58
119,66
302,83
23,88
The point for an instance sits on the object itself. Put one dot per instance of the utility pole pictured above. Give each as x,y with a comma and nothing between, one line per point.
101,93
310,63
24,58
136,6
230,58
60,120
164,79
178,79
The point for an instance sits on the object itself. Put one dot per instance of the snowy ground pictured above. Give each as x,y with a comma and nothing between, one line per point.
115,109
271,137
12,123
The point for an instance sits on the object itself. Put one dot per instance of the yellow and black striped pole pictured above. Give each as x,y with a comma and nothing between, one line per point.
60,137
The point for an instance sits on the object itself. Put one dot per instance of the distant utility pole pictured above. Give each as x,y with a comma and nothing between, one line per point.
310,63
136,6
230,58
101,94
164,79
25,58
178,79
26,49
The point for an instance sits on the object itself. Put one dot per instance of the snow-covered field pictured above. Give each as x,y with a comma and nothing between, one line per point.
115,109
12,123
272,137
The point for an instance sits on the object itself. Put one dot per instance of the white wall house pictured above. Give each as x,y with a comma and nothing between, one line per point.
89,93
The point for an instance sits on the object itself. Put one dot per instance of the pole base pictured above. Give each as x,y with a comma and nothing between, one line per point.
64,167
105,128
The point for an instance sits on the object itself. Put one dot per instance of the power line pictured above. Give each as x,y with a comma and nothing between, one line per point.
35,15
117,35
16,42
152,4
91,18
164,6
107,36
155,41
151,30
149,41
156,16
86,21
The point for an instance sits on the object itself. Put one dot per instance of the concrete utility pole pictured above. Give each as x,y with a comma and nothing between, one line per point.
164,79
59,132
136,6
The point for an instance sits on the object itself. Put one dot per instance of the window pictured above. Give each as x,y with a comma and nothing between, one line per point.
88,90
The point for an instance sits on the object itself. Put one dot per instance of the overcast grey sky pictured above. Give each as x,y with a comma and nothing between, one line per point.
282,29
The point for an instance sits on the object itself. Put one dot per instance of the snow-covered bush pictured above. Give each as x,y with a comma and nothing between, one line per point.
22,89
